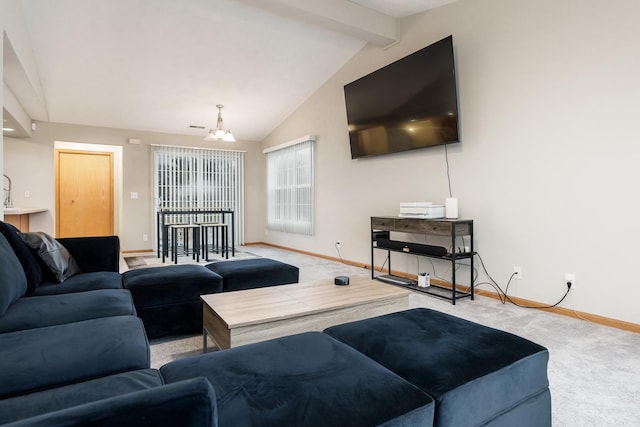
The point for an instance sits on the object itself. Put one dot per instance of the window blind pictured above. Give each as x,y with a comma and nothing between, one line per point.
290,187
194,178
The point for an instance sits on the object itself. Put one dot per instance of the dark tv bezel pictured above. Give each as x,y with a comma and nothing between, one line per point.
398,64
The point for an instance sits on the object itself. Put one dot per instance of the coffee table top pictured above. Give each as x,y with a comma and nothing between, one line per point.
254,306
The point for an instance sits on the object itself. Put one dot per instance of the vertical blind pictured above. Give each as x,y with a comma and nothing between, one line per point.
194,178
290,187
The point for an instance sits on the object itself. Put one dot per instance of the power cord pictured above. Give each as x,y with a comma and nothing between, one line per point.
433,267
446,157
337,245
383,264
503,295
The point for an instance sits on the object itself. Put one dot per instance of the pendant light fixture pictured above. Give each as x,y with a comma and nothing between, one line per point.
219,133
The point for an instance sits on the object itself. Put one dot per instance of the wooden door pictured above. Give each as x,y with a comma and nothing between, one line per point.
84,193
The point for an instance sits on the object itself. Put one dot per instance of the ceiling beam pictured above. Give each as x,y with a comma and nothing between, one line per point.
337,15
19,70
13,115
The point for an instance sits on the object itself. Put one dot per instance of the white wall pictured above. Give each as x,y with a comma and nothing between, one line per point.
547,167
13,32
26,102
30,164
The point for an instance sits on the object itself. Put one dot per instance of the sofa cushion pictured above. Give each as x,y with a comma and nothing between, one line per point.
37,359
31,263
80,283
13,282
253,273
42,402
50,310
167,298
186,404
96,253
307,379
454,360
54,255
172,284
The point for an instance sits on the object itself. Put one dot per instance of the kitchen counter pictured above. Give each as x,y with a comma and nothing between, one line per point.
23,211
19,217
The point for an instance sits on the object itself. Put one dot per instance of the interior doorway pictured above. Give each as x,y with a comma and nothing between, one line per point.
84,193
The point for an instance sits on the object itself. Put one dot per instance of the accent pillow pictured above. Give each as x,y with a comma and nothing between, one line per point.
31,264
54,255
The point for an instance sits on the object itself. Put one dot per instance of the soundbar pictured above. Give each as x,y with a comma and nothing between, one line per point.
414,248
396,280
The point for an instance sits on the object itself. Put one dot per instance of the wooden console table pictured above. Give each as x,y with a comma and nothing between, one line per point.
381,228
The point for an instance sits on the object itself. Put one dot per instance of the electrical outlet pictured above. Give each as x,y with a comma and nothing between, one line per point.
570,278
517,272
338,244
145,237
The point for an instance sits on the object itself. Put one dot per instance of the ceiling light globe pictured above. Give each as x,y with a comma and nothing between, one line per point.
228,137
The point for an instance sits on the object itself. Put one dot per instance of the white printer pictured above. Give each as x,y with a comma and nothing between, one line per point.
421,210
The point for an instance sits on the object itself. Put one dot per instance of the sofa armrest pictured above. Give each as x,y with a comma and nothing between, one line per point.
94,253
186,403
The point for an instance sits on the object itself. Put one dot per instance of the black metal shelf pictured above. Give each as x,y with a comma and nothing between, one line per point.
381,228
435,290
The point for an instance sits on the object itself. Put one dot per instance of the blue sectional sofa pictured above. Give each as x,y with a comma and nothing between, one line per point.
54,334
75,353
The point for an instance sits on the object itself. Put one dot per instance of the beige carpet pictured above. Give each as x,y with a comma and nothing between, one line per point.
594,370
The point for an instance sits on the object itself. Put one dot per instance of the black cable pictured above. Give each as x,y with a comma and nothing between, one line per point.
339,254
503,295
476,273
446,157
487,273
494,287
383,264
433,267
531,306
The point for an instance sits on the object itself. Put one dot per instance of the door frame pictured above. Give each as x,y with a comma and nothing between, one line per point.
118,191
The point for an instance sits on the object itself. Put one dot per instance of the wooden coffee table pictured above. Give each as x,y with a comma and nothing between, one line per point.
242,317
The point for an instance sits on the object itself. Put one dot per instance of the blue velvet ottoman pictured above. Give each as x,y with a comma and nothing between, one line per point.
308,379
477,375
254,273
167,299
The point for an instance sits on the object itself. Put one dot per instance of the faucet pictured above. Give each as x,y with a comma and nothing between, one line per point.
8,200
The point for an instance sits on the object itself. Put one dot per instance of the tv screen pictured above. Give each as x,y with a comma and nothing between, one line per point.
409,104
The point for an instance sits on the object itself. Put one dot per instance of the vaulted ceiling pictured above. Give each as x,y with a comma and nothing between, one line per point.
163,65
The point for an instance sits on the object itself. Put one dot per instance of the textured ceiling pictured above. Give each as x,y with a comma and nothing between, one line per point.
163,65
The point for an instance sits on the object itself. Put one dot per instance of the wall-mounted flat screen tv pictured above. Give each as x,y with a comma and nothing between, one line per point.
409,104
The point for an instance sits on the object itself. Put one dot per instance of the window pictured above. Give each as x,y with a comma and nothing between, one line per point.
193,178
290,186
